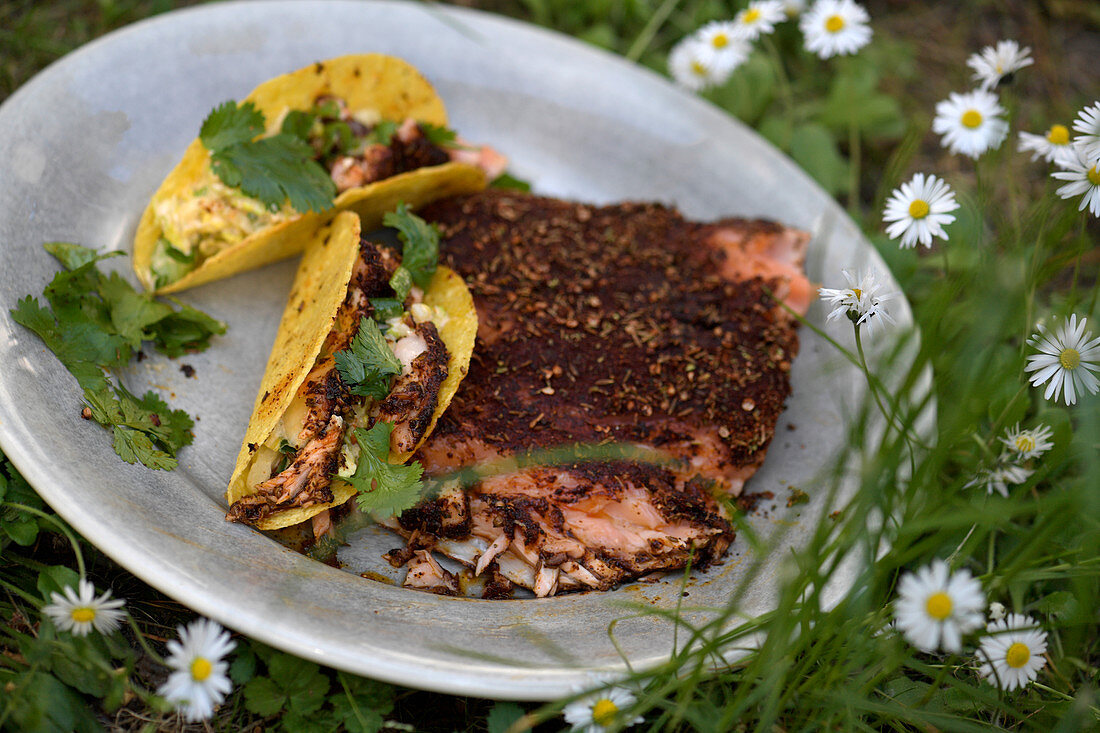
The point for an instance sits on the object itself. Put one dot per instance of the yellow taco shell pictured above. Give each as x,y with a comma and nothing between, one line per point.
319,288
390,86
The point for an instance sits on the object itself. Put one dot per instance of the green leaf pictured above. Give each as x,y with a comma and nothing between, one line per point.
55,579
303,682
73,256
263,697
243,667
298,123
420,243
386,308
22,529
502,716
509,182
187,329
385,489
133,446
1059,604
382,133
45,705
439,135
813,147
367,364
132,313
401,282
276,169
229,124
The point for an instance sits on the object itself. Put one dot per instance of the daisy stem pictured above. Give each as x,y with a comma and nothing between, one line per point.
649,32
946,271
991,553
60,526
1052,691
867,373
140,636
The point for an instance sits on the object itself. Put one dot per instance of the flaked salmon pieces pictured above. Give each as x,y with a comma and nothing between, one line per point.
624,326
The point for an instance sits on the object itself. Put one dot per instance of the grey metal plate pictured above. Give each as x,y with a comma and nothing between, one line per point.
87,141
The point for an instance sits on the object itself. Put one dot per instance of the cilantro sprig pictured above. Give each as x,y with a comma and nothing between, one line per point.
420,243
273,169
94,323
385,488
367,365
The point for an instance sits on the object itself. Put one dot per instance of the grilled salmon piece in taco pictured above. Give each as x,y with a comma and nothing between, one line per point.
358,133
371,336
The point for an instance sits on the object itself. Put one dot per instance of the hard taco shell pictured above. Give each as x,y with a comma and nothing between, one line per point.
320,286
386,84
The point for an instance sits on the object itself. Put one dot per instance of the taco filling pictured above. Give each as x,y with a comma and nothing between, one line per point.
354,147
395,347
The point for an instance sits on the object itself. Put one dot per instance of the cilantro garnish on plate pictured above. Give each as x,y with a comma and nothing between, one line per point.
385,488
273,169
94,322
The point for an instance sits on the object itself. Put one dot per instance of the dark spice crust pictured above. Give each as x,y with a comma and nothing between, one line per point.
414,397
603,324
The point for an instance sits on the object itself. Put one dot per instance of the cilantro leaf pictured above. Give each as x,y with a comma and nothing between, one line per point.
297,123
367,364
509,182
401,282
93,325
420,242
275,169
382,133
187,329
386,308
384,488
440,135
229,124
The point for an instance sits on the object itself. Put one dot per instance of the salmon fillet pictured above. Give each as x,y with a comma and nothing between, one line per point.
624,326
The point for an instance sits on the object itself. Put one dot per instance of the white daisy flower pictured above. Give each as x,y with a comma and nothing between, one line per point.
1053,147
994,63
1012,652
999,478
862,302
935,609
1083,177
694,65
996,611
1067,359
758,19
80,612
1028,444
199,682
919,209
835,28
722,47
970,123
1087,125
601,711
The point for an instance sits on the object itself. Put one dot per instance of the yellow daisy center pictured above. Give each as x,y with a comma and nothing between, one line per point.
83,615
1025,444
919,209
751,16
971,118
201,669
604,712
1094,175
720,40
858,293
834,23
1070,358
938,605
698,69
1017,655
1058,135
